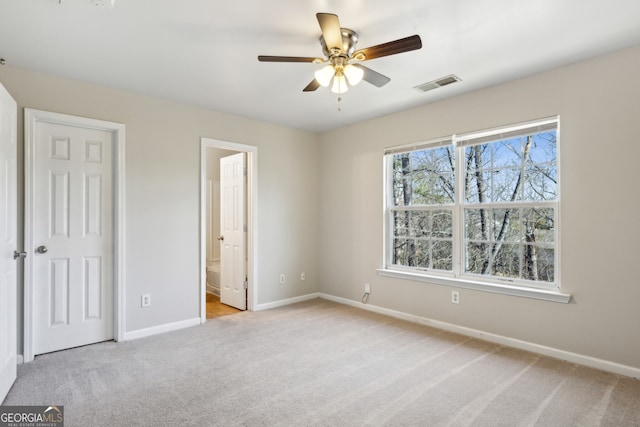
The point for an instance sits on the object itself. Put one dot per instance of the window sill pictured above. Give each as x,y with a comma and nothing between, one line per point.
541,294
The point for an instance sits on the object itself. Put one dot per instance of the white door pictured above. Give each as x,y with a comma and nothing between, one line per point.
8,241
72,236
232,229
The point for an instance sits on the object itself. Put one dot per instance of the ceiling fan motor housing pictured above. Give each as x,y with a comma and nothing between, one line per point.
349,41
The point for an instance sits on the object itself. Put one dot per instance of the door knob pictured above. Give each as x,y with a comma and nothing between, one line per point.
42,249
221,238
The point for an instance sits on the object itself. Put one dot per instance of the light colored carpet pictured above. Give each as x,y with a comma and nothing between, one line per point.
320,363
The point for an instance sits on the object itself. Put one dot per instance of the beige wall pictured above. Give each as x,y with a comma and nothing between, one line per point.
599,106
162,193
320,202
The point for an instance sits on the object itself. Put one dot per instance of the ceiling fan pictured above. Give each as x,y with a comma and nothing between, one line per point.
339,47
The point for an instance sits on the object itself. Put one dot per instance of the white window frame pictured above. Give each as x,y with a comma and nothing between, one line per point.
457,277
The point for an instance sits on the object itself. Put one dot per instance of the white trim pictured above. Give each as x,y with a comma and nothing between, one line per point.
252,215
161,329
287,301
519,291
580,359
31,117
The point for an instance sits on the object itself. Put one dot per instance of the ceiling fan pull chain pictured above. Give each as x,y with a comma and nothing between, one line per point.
339,106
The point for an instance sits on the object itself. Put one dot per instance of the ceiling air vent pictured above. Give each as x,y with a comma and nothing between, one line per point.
444,81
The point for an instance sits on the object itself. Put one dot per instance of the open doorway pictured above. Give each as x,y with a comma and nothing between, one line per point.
223,272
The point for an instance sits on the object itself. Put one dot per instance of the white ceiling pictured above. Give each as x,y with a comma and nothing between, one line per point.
204,52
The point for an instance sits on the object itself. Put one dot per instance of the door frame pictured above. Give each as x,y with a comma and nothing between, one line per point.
9,265
252,219
31,118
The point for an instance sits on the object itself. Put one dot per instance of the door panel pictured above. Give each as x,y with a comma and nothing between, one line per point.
8,241
73,224
232,228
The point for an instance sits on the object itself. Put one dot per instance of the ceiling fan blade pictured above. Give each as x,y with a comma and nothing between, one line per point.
391,48
373,77
330,26
312,86
267,58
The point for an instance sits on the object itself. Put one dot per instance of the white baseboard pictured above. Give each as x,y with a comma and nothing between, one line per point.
167,327
283,302
579,359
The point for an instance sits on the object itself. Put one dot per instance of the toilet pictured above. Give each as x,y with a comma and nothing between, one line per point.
213,277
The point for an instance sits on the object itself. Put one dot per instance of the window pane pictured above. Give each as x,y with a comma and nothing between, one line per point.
477,258
434,190
540,183
478,156
544,264
401,179
506,225
504,185
443,255
418,233
538,263
478,187
422,256
506,262
538,225
439,160
543,148
442,223
541,178
400,223
402,251
424,177
420,224
494,171
476,224
507,153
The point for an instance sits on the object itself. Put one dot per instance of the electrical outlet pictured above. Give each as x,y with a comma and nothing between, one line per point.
367,288
283,279
302,276
455,297
146,300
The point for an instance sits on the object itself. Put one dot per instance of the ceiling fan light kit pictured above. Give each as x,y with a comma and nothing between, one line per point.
339,47
354,74
338,73
324,75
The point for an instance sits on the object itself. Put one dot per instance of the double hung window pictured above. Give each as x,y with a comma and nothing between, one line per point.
480,207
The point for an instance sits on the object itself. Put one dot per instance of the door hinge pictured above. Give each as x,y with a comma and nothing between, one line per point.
246,284
17,254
